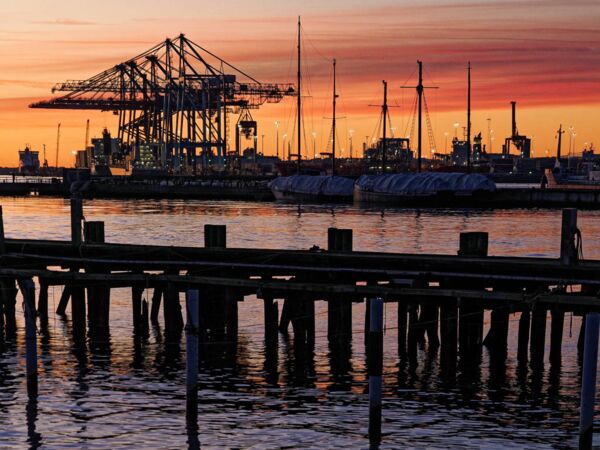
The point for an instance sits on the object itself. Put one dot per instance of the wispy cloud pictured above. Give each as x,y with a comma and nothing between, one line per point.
65,21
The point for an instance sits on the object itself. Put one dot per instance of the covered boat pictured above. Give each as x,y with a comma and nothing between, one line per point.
436,188
312,188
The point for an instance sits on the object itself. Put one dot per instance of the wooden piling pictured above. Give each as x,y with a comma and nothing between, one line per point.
402,327
42,307
270,318
9,297
191,341
588,382
538,337
136,306
449,336
155,307
339,311
523,336
429,318
2,243
76,219
78,313
98,296
556,335
568,249
215,236
172,314
61,309
28,291
375,369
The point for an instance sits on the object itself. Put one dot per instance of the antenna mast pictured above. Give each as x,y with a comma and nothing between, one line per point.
384,108
560,133
420,134
469,117
333,124
299,156
57,145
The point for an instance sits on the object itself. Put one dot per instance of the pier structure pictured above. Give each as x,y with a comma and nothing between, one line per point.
172,103
441,300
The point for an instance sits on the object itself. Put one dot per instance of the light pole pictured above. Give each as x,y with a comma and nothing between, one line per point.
392,129
314,135
350,132
446,142
456,125
571,128
277,137
284,138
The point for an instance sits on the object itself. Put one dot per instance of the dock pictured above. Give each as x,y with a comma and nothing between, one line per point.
441,299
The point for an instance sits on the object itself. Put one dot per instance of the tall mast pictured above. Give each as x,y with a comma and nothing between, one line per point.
333,124
469,117
299,156
560,133
420,94
384,108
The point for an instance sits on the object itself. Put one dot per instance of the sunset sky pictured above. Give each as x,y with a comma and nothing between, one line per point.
545,54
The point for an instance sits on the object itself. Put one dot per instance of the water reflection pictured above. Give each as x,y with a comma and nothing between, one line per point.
127,386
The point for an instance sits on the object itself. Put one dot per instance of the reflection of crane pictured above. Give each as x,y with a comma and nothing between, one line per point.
57,145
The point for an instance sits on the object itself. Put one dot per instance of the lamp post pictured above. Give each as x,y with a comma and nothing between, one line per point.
277,137
445,142
314,136
456,125
350,132
284,138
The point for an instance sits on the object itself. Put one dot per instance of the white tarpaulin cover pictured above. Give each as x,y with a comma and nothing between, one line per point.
314,184
425,183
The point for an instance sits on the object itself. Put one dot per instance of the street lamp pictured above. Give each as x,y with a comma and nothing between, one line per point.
277,137
350,132
445,142
392,129
456,125
284,138
314,135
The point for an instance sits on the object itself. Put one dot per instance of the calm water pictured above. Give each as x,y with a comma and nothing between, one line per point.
134,395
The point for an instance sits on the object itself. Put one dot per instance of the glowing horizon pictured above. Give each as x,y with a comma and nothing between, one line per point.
544,55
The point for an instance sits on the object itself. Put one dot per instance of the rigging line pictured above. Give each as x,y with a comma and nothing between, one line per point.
409,77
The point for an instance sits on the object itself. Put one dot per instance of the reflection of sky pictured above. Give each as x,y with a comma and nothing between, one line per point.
542,53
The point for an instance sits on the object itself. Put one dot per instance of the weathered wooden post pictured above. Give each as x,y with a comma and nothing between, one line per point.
402,327
375,369
136,305
172,313
155,306
538,337
568,249
339,311
471,244
43,300
2,243
215,236
28,291
191,342
523,336
78,312
98,298
76,219
588,382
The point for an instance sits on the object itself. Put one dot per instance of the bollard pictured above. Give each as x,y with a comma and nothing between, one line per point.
28,291
375,369
588,382
568,249
191,343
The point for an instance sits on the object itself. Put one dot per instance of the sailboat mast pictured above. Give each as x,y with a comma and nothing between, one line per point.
469,117
420,131
384,108
299,100
333,124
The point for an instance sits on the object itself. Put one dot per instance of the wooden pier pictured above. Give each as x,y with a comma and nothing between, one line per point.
441,298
